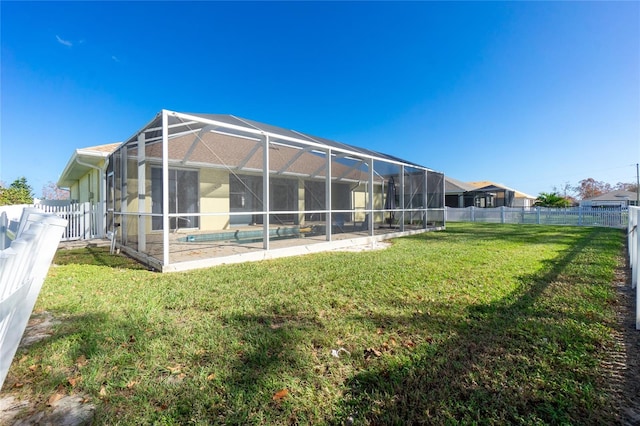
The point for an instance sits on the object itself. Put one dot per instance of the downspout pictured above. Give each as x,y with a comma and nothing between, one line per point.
103,190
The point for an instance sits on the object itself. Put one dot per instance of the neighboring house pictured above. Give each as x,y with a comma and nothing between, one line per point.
616,198
194,190
455,191
484,194
498,195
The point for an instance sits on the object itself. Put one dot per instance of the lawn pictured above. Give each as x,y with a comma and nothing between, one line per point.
480,323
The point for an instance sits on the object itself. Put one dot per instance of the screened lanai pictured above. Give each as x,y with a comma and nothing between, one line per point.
196,190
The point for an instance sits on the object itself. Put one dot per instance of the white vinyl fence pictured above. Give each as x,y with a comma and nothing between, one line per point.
23,267
83,219
634,255
577,216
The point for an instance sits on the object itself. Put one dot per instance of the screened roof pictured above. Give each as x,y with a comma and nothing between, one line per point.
177,124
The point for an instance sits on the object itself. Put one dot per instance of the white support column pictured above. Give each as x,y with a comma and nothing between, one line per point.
124,190
265,193
402,197
425,197
142,188
101,214
165,188
371,194
329,216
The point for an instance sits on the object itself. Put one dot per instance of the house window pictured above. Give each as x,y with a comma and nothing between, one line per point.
183,198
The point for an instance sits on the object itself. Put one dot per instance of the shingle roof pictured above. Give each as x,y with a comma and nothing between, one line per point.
485,183
617,195
106,148
268,128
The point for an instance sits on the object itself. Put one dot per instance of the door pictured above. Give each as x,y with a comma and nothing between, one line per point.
183,198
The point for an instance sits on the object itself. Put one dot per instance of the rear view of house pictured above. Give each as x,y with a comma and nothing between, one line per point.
193,190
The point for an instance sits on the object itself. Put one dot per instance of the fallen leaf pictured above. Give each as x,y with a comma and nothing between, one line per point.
73,381
132,383
175,369
409,344
393,342
23,359
379,331
211,376
33,367
82,361
372,351
280,395
18,385
54,398
103,391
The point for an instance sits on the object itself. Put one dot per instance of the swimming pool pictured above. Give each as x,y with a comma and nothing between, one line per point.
244,236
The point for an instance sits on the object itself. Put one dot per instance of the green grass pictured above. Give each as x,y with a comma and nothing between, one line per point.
478,324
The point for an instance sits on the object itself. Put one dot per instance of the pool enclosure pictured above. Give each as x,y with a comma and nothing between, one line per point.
195,190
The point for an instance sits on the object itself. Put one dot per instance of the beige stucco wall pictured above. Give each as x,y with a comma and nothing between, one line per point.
214,197
87,188
301,201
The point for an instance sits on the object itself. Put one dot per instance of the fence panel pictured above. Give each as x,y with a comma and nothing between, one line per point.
577,216
23,267
83,218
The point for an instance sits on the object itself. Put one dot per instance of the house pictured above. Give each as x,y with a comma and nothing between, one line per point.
455,191
484,194
85,176
498,195
616,198
196,190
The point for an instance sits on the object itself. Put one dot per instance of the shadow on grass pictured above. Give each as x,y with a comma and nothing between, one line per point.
494,365
97,256
529,234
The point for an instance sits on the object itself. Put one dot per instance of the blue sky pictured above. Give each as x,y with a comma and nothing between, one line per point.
528,94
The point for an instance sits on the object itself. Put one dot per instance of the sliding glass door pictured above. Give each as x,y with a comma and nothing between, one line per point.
183,198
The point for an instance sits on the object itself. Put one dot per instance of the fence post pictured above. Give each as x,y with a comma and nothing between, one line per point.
579,215
538,215
473,213
634,272
4,223
502,214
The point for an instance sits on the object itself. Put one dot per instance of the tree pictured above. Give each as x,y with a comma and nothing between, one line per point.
589,188
19,192
551,199
566,190
52,191
624,186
